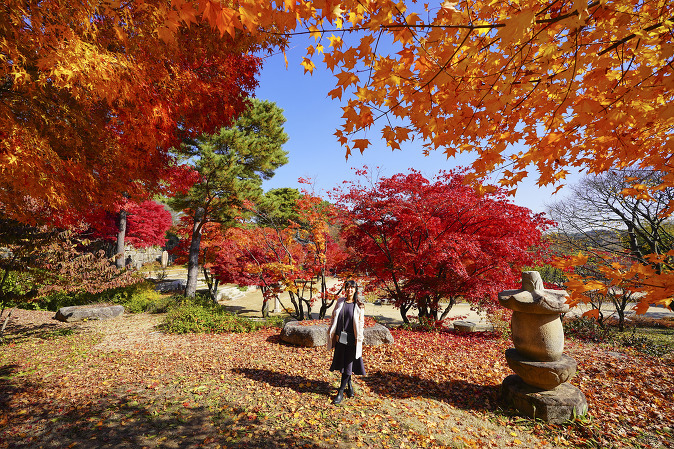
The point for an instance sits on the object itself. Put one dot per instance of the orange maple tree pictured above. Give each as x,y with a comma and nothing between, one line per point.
578,83
93,94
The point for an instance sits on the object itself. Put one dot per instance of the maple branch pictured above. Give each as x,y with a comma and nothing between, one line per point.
418,89
448,27
571,79
632,36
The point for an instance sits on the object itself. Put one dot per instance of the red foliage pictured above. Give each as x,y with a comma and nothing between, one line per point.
147,224
179,179
260,256
424,240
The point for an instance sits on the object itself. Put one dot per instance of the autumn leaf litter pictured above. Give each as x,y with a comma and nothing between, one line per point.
121,383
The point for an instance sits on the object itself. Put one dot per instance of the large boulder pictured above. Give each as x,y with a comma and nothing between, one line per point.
377,335
172,285
80,313
300,334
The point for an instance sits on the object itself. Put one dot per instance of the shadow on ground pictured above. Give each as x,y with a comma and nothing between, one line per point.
38,420
456,392
16,333
281,380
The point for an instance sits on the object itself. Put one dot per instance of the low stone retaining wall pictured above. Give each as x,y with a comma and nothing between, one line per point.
299,334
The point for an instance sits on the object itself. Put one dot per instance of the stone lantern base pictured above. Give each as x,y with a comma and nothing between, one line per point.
553,406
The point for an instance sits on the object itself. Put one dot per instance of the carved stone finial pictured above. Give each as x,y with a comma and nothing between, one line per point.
533,297
532,281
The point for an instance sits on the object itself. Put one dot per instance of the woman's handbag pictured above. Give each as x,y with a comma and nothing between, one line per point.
344,338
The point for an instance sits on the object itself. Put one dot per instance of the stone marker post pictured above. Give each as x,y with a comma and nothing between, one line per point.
539,388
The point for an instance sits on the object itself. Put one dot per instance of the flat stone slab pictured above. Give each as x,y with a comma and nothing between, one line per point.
80,313
553,406
173,285
312,335
465,326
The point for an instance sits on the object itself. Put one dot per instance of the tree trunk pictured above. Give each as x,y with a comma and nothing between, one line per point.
324,297
298,312
4,325
121,233
403,313
265,303
308,304
452,301
193,261
213,284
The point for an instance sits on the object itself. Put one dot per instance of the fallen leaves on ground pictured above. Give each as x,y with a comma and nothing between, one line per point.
102,386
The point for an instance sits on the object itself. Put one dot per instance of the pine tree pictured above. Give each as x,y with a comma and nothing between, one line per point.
232,164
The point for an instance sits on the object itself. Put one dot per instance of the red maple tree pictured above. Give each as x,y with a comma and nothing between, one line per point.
423,240
295,259
147,223
269,258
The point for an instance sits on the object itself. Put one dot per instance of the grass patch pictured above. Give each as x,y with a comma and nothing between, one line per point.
56,333
137,298
650,337
201,315
144,298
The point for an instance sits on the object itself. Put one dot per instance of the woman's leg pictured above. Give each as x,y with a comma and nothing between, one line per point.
342,387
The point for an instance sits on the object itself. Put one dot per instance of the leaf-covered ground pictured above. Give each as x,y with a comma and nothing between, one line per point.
120,383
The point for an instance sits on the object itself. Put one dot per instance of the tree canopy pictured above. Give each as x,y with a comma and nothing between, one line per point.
423,241
91,99
579,83
147,224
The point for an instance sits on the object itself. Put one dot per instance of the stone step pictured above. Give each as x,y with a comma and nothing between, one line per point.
229,293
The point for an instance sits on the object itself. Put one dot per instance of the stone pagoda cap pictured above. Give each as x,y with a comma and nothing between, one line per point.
533,297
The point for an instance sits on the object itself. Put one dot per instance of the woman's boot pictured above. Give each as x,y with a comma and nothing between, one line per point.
342,387
349,389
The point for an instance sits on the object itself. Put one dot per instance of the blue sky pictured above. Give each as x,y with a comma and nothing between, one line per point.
312,118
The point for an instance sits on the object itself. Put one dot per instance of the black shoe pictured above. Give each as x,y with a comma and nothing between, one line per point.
349,390
339,397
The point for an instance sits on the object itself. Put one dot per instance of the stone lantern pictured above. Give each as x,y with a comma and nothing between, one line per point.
539,389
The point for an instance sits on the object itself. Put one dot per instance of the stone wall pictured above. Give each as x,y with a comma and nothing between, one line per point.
137,257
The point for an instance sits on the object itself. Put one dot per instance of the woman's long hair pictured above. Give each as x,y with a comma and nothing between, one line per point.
356,297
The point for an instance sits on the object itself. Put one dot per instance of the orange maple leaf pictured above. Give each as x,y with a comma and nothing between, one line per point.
361,144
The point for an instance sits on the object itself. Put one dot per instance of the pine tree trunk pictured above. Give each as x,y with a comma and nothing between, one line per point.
193,261
121,233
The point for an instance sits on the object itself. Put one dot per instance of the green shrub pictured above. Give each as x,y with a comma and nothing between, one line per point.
140,297
585,329
56,300
201,315
143,297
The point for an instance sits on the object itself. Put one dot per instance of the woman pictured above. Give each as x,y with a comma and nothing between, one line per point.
345,334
